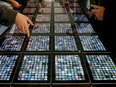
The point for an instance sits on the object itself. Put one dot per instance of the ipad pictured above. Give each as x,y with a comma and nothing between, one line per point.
68,68
12,43
65,43
34,68
43,17
84,28
62,27
38,43
41,28
80,17
91,43
61,17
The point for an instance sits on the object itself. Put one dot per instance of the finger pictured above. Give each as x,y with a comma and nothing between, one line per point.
90,15
27,30
30,22
94,11
17,6
97,7
23,29
88,12
20,5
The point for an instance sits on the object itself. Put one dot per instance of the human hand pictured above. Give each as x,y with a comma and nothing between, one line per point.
15,4
99,12
21,23
90,14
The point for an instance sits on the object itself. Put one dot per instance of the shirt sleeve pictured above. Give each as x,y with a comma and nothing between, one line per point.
7,14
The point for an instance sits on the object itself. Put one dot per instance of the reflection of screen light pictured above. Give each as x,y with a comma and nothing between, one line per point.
38,43
65,43
92,43
7,63
102,67
68,67
34,67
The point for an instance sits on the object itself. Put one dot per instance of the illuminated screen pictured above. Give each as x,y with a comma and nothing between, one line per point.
65,43
60,10
43,17
92,43
68,67
102,67
61,17
29,10
12,43
57,4
32,5
41,28
74,5
38,43
62,27
7,63
79,17
34,67
77,10
14,29
46,10
84,28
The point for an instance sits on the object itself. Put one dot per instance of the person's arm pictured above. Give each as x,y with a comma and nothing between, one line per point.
99,12
14,3
7,14
19,19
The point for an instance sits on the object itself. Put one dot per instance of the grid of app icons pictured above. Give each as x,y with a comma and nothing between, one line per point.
43,17
32,5
65,43
14,29
62,27
7,63
80,17
92,43
38,43
61,17
68,67
102,67
46,10
29,16
41,28
33,0
57,4
29,10
84,28
49,4
12,43
74,5
34,68
77,10
60,10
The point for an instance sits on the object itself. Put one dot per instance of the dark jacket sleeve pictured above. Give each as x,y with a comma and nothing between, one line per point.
7,14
